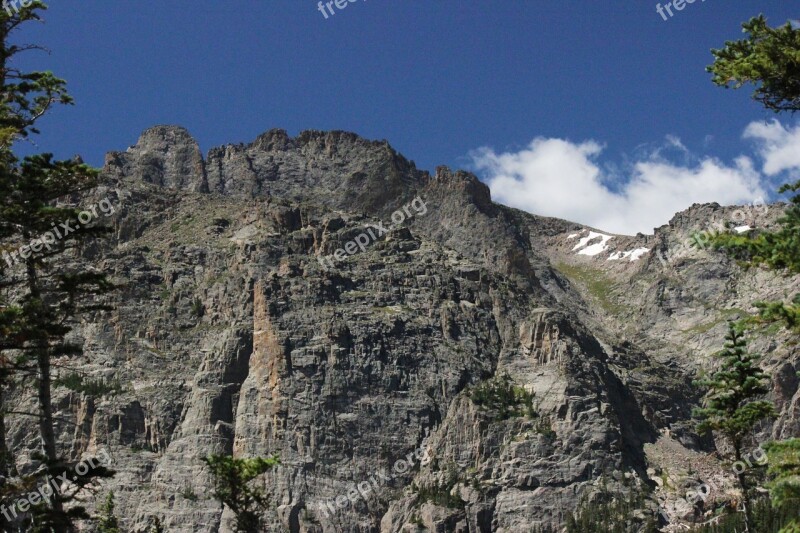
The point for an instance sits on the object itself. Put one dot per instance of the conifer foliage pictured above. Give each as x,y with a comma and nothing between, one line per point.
768,58
43,286
108,520
784,468
232,478
731,406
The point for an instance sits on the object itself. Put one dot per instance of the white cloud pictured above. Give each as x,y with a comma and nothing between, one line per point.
778,146
559,178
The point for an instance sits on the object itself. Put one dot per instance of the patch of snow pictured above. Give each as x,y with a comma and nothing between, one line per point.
572,236
585,240
618,255
634,255
742,229
593,249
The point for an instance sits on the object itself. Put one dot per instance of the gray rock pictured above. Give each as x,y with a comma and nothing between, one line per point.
232,336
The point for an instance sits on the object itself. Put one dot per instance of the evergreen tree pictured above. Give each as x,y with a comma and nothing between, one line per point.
609,512
770,59
766,519
231,478
108,522
784,467
504,399
40,295
731,405
767,59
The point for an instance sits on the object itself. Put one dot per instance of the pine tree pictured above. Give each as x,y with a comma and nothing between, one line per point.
41,295
731,407
610,512
768,59
231,478
108,522
784,466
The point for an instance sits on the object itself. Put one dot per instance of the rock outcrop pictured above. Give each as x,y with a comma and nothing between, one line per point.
235,332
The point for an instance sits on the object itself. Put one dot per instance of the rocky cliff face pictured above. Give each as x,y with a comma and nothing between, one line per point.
275,302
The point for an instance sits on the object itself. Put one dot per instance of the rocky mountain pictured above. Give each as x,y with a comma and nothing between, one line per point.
321,299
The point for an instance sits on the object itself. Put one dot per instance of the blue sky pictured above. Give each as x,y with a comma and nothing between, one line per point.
440,80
